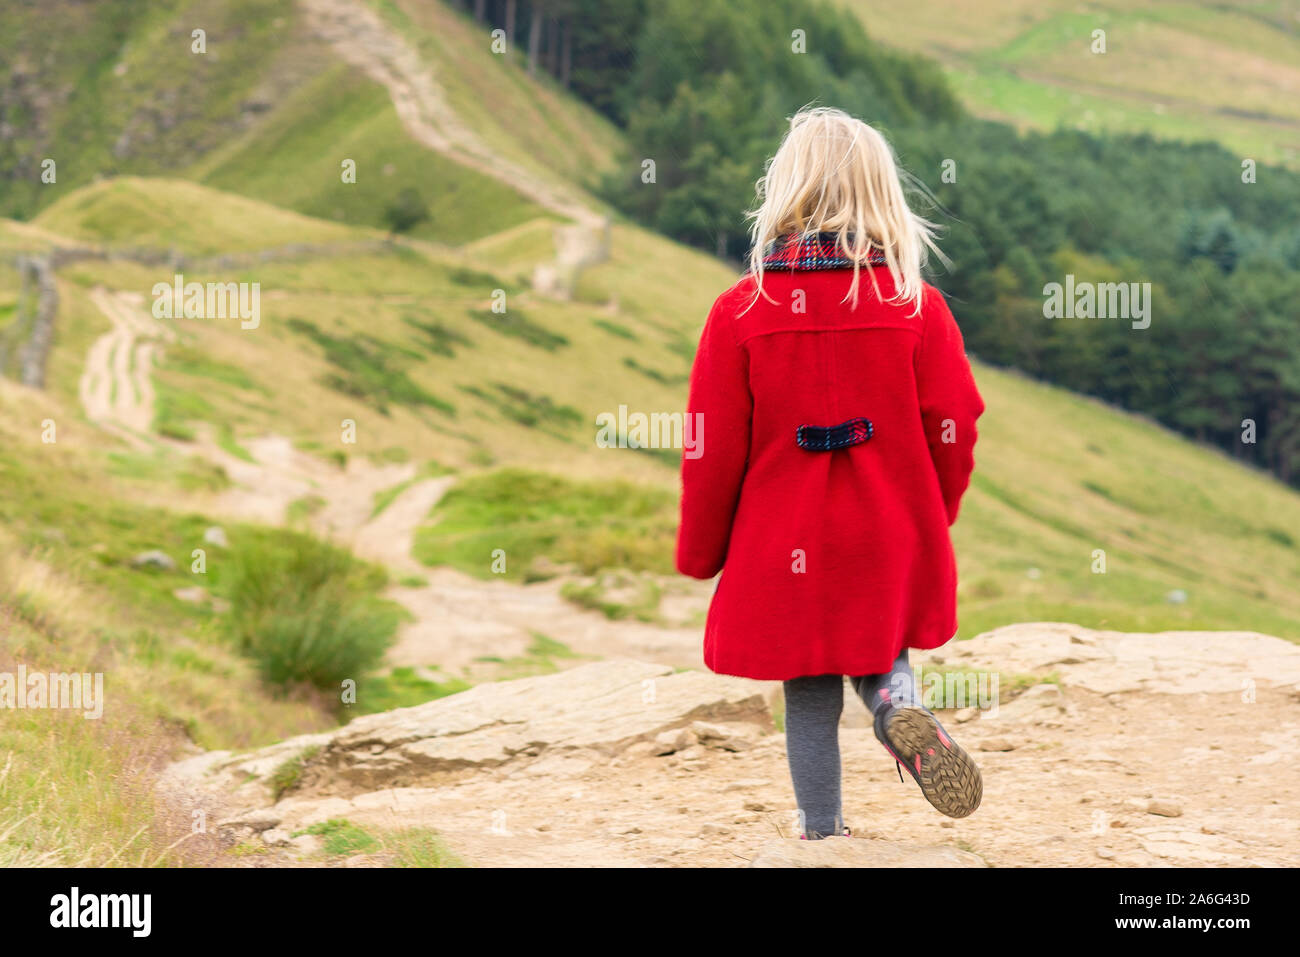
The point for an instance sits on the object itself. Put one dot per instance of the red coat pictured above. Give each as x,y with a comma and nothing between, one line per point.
832,561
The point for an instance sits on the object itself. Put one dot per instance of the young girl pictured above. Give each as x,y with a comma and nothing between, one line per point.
839,415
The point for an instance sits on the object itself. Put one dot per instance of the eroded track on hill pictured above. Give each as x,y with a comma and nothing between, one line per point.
360,37
457,622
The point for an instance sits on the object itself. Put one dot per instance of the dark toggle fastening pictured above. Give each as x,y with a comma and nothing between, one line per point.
817,439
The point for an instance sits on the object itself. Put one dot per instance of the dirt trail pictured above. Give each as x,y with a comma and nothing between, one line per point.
457,620
117,393
360,36
460,619
116,387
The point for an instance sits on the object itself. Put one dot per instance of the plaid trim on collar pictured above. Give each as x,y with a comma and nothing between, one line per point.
816,251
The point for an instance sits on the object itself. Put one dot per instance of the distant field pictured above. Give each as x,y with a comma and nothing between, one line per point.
1182,70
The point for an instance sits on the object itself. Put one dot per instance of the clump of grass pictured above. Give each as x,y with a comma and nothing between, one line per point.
226,439
615,329
370,370
402,688
527,408
440,339
341,837
407,847
514,323
301,509
419,847
286,777
474,278
661,377
589,524
174,409
641,601
539,658
1280,536
386,496
307,612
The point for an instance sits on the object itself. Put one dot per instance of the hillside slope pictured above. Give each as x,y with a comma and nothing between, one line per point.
1186,70
401,340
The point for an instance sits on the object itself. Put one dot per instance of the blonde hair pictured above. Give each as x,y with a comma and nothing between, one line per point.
835,174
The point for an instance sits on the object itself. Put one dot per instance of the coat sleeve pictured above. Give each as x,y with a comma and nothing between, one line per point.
950,402
719,410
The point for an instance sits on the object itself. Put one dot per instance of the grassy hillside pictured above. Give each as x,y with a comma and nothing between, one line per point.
177,214
295,157
118,88
1059,478
403,341
1186,70
529,120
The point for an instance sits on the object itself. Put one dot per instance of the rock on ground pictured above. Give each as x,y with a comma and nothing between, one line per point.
1129,750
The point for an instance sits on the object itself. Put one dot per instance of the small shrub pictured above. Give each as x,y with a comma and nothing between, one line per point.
306,612
407,210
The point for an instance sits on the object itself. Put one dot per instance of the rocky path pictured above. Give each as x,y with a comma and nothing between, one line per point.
1134,750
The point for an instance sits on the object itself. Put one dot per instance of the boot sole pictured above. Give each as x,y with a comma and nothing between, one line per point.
949,777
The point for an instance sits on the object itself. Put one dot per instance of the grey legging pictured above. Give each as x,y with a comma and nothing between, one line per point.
812,741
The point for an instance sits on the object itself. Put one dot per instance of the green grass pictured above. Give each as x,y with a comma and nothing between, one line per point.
302,509
294,158
370,369
643,606
419,847
174,214
188,474
527,409
306,612
440,339
615,329
401,688
286,777
1189,70
592,524
514,323
341,838
663,378
539,658
406,847
386,496
226,439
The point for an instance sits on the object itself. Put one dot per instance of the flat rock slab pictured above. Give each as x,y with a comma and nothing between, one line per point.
600,707
858,852
1112,662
